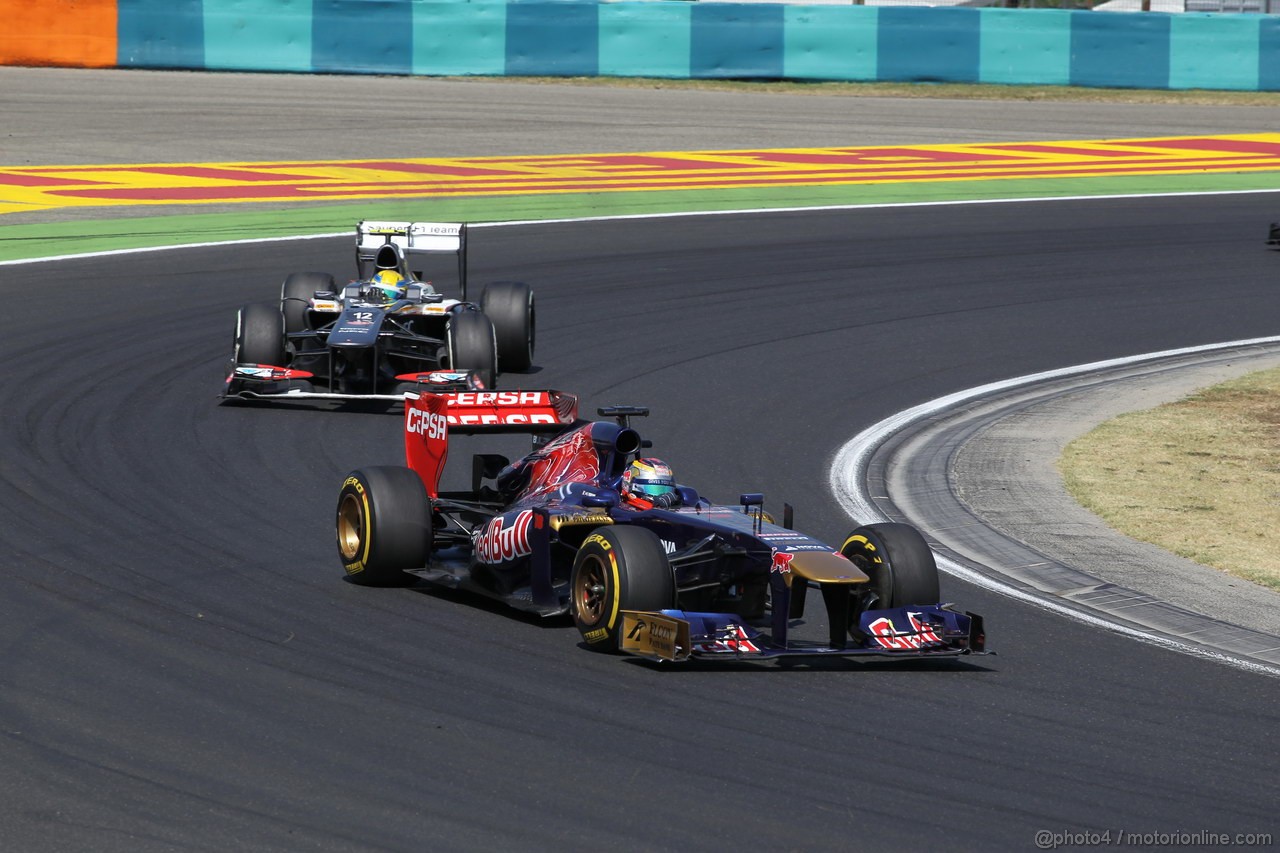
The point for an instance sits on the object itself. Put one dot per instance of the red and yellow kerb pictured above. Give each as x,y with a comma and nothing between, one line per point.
38,187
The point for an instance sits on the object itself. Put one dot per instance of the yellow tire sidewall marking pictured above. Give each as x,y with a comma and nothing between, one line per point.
617,590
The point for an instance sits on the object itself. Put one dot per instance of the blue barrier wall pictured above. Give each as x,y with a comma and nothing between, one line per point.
446,43
259,35
370,36
830,42
1269,56
919,43
160,33
1014,47
1131,51
735,40
668,38
553,39
645,39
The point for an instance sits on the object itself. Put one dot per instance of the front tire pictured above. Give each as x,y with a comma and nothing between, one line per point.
509,305
472,345
260,335
383,525
295,297
898,561
618,568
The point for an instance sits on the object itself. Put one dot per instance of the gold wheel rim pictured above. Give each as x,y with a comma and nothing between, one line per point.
350,527
589,591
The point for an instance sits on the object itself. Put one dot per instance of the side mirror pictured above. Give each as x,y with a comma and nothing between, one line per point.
753,505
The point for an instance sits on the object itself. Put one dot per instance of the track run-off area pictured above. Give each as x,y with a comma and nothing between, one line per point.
34,188
315,196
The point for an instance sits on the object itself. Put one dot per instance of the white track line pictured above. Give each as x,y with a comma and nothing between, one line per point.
668,215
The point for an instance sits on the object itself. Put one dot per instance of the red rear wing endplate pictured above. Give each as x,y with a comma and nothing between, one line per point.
429,418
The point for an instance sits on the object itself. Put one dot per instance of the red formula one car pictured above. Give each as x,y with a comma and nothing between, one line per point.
670,577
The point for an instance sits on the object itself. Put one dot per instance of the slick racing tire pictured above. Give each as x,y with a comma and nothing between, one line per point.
899,563
509,304
618,568
295,297
260,335
472,345
383,525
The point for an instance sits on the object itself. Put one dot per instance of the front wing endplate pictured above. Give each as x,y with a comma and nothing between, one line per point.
655,636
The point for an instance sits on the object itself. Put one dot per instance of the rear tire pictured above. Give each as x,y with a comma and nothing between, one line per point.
383,525
509,304
898,561
295,297
618,568
260,335
472,345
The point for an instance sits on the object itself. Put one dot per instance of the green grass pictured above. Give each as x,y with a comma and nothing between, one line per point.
135,229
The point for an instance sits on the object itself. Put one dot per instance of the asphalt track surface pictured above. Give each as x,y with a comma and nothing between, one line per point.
185,668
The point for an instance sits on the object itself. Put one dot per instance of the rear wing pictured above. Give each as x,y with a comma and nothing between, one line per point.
429,418
409,239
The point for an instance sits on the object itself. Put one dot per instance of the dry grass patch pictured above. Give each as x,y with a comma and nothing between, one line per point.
1199,477
955,91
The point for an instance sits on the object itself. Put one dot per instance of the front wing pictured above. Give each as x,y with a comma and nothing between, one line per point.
265,381
914,632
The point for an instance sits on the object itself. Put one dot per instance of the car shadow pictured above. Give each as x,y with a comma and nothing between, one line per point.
832,663
490,605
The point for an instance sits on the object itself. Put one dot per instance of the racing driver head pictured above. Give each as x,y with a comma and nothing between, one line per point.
651,480
389,283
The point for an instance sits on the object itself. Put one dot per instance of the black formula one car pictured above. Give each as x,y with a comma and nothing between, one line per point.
373,338
556,532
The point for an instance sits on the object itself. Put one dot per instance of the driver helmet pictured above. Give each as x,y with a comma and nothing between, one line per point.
649,478
388,282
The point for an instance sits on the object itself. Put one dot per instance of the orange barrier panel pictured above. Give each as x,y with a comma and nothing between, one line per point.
70,33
